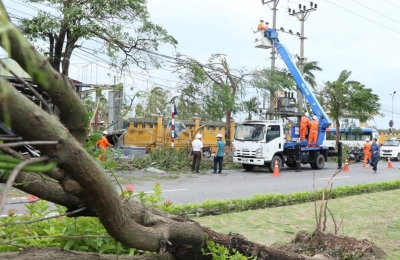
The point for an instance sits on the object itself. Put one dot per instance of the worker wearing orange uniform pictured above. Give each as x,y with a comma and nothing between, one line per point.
313,125
103,143
367,153
303,126
261,26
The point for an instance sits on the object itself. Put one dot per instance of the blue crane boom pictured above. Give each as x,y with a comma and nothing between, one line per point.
302,84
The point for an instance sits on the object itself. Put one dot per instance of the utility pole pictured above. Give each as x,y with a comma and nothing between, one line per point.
302,15
272,4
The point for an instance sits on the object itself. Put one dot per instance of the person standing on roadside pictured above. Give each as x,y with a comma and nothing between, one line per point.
367,155
219,154
197,146
375,151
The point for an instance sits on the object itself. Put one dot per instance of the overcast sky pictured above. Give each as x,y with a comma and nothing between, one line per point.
357,35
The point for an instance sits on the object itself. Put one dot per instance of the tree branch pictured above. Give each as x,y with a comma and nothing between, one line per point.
27,143
13,176
33,123
28,86
56,85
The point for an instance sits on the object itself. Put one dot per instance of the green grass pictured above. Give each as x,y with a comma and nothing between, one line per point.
375,217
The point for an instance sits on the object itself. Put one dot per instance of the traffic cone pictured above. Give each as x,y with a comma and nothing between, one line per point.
346,166
276,169
390,165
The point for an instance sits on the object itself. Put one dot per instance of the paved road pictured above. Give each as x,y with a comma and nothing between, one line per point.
196,188
240,184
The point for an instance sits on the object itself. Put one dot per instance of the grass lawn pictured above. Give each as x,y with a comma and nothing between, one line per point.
375,217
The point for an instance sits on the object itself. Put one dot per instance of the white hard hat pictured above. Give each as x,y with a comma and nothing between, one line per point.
198,136
219,136
105,133
315,118
367,140
306,114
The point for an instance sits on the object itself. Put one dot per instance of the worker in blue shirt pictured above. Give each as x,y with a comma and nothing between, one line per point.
375,151
219,154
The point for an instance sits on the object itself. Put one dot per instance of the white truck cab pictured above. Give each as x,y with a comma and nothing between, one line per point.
391,149
258,142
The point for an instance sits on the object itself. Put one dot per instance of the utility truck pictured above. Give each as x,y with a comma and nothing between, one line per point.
265,142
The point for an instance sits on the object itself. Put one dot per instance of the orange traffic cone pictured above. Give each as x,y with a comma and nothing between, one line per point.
276,169
346,166
390,165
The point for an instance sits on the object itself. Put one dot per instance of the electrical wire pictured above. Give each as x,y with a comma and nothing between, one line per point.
391,3
376,11
383,26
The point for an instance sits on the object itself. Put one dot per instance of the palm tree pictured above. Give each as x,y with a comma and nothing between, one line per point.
250,106
343,95
308,69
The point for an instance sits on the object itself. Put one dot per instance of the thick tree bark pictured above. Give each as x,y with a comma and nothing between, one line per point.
228,136
32,183
58,49
337,132
51,254
67,53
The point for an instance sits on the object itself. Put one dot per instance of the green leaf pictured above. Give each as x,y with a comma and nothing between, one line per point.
69,244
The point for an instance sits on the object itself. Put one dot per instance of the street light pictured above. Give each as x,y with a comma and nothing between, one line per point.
394,92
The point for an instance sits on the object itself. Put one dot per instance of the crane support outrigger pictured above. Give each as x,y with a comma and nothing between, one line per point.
263,142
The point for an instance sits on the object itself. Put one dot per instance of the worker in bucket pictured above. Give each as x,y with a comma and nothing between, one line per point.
261,26
313,124
103,143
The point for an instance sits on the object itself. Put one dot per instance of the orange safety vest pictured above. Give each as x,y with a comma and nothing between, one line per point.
304,121
313,126
103,143
367,147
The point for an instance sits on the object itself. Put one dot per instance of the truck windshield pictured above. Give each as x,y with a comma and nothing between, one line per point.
391,143
250,132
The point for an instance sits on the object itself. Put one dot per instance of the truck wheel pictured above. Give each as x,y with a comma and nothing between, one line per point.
313,165
248,167
271,165
291,164
319,162
398,157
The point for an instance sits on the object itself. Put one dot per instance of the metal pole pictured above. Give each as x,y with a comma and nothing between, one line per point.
301,62
173,128
302,15
96,117
273,53
394,92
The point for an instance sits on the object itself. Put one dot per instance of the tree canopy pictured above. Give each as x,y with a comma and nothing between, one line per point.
117,27
214,85
348,98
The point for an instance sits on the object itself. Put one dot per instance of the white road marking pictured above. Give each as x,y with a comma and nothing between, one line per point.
335,177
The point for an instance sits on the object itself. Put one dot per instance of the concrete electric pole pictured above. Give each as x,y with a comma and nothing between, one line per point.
302,15
272,4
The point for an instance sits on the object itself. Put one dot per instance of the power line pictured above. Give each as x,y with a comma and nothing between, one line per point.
363,17
376,11
391,3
